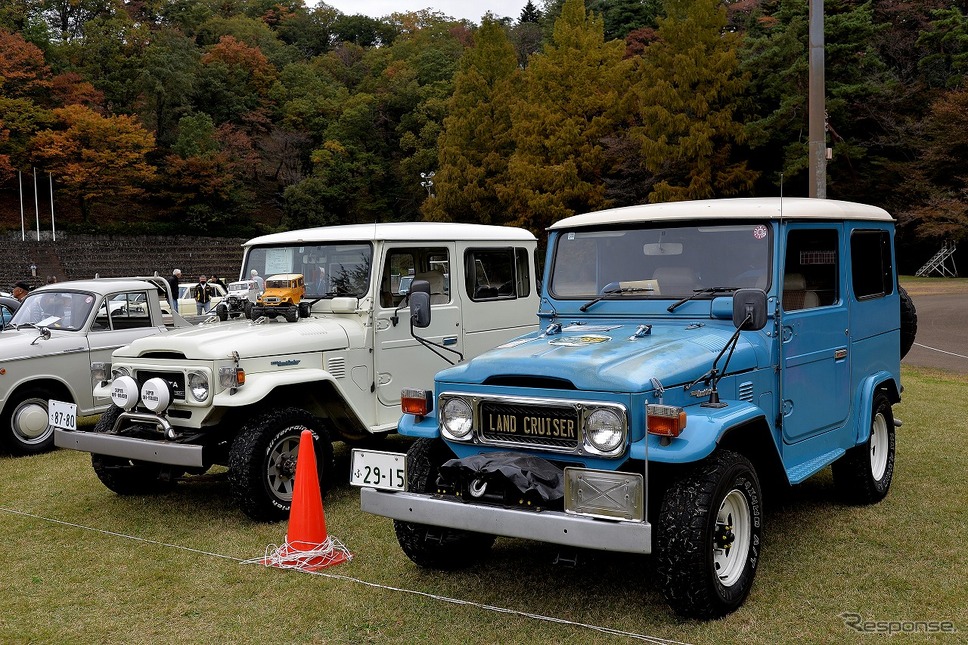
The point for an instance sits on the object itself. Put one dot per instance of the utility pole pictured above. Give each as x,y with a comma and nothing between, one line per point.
816,105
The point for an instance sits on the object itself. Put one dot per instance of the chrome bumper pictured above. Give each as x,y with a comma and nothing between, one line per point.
158,452
554,527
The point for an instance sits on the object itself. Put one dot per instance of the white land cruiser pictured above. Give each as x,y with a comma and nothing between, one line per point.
238,393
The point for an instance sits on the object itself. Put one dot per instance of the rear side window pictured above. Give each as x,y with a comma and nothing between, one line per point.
872,266
497,274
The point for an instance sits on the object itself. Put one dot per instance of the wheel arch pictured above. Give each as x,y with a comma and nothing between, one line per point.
866,391
56,389
323,399
755,440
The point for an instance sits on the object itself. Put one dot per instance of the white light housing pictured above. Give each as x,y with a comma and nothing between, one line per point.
198,385
156,394
124,392
456,418
100,372
605,430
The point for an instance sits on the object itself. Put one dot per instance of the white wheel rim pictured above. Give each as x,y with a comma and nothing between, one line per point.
879,446
731,538
29,421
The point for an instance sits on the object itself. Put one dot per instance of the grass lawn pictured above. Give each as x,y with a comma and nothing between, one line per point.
85,565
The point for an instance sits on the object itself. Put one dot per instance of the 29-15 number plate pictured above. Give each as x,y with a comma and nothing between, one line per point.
62,415
378,469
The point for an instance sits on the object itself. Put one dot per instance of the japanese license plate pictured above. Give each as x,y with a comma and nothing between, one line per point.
377,469
62,415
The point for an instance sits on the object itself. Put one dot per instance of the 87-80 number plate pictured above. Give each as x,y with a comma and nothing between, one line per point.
377,469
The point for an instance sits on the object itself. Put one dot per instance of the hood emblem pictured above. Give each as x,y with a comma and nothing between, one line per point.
580,341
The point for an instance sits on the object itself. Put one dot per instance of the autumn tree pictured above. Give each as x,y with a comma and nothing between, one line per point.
476,142
685,94
563,121
95,158
234,80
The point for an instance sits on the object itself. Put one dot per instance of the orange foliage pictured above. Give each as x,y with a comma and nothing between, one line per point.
236,55
22,67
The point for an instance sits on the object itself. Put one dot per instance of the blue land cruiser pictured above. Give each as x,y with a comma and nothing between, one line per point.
691,355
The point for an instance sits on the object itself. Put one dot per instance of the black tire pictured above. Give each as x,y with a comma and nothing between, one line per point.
864,474
435,547
127,476
292,314
247,309
262,462
222,312
709,536
256,312
304,310
23,427
909,321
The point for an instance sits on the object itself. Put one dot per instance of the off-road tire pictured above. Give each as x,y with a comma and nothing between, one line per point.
435,547
864,474
31,401
128,476
222,312
262,462
247,309
256,312
292,314
304,310
909,321
709,536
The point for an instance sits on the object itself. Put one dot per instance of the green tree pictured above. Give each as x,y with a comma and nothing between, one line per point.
95,158
166,81
234,80
476,142
685,95
529,13
563,123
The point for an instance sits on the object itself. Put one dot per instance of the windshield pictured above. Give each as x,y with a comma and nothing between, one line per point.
651,261
57,309
329,270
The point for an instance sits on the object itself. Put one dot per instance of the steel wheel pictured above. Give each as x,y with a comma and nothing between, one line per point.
731,537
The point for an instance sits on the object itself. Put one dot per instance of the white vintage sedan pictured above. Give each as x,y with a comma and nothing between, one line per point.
46,350
186,302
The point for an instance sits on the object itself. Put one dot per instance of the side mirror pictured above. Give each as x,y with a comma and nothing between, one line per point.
419,309
749,309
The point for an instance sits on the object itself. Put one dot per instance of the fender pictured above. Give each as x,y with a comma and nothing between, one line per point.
705,427
260,385
864,398
422,428
33,381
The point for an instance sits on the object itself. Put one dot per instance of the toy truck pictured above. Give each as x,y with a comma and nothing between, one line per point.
691,356
239,393
282,297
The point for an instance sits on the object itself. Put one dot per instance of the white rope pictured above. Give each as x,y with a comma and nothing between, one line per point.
332,576
308,560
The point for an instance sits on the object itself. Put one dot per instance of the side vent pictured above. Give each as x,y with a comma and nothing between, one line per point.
746,392
337,367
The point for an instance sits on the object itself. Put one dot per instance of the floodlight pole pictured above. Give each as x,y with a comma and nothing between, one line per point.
816,107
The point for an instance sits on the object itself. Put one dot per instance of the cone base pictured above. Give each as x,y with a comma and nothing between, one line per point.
308,557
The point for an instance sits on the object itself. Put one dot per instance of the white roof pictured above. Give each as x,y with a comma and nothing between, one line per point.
99,286
284,276
794,208
396,231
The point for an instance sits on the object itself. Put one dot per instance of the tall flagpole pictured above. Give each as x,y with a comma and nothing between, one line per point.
36,204
53,232
817,117
23,226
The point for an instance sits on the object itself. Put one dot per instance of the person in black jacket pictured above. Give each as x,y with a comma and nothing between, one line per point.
203,293
173,283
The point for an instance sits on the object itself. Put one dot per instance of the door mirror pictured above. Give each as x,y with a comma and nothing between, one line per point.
419,309
749,309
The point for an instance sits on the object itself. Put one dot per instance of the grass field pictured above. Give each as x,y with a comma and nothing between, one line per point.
85,565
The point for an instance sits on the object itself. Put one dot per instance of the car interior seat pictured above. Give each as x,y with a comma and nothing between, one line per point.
796,295
436,280
676,280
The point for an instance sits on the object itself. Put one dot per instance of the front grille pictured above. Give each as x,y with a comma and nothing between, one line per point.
177,380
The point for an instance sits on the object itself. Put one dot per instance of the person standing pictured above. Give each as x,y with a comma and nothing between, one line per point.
217,280
203,295
258,280
173,280
20,290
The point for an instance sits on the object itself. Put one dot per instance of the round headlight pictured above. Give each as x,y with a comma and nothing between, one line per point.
124,392
456,418
198,386
604,430
118,371
156,394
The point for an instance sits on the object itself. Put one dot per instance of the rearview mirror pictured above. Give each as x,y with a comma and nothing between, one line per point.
749,309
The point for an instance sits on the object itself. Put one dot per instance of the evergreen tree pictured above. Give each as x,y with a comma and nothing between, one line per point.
530,13
685,95
475,144
562,123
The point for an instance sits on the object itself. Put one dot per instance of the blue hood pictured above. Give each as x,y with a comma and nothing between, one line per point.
606,357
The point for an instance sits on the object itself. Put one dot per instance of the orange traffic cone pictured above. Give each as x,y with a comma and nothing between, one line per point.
307,547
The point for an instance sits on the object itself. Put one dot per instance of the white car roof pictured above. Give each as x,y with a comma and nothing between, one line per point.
99,286
793,208
396,231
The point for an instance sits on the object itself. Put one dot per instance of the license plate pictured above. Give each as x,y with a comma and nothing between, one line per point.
62,415
377,469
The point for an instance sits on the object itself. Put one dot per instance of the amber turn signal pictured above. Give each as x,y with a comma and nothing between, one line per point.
416,402
665,420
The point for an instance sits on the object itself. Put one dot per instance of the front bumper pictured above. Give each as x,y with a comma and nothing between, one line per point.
554,527
159,452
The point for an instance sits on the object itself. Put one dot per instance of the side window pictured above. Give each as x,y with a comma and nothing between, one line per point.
810,276
404,265
871,264
101,320
497,274
129,311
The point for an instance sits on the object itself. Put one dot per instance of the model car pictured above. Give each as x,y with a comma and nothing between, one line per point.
282,297
239,300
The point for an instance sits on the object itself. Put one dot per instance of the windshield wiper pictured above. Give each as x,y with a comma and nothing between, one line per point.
701,292
612,292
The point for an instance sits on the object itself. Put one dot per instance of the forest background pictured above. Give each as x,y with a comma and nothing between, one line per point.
236,117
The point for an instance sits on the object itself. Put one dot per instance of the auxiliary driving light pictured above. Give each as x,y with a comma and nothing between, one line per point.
124,392
156,394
